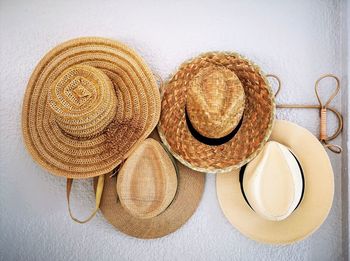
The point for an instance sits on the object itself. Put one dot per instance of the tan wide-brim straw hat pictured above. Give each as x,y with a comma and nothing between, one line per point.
88,102
314,206
190,186
249,135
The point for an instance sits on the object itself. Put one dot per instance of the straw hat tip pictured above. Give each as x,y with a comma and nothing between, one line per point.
216,101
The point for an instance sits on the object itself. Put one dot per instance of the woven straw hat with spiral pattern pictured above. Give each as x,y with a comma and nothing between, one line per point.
217,112
88,103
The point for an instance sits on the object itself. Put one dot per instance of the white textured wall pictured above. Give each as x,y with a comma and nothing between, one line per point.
297,40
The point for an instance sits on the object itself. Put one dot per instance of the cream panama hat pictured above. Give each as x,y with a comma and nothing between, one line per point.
285,193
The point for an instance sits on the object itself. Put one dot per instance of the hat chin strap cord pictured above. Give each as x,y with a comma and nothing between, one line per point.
323,137
99,190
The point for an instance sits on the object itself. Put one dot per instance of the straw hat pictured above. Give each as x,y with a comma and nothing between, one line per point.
152,195
217,112
89,101
274,169
285,193
147,181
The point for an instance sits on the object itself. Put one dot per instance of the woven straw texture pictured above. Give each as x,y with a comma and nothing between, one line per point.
190,186
215,101
81,122
147,180
314,206
83,100
258,117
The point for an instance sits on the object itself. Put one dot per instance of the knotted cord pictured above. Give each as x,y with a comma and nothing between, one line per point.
323,108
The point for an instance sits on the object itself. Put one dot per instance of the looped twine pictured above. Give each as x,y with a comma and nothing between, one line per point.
323,114
117,169
160,82
278,82
324,138
114,173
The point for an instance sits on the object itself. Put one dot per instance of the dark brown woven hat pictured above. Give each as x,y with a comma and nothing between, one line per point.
184,125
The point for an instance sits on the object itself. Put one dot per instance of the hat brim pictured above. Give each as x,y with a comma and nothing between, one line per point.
188,195
252,134
138,109
316,202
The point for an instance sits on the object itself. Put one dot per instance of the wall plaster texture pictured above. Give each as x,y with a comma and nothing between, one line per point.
297,40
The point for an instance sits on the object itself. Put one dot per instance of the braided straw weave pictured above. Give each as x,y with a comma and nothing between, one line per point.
215,101
88,103
258,116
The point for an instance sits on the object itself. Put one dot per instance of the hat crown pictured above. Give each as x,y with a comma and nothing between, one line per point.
273,182
215,101
147,181
83,101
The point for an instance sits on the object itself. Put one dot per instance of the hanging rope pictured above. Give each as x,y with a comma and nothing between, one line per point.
323,108
160,83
